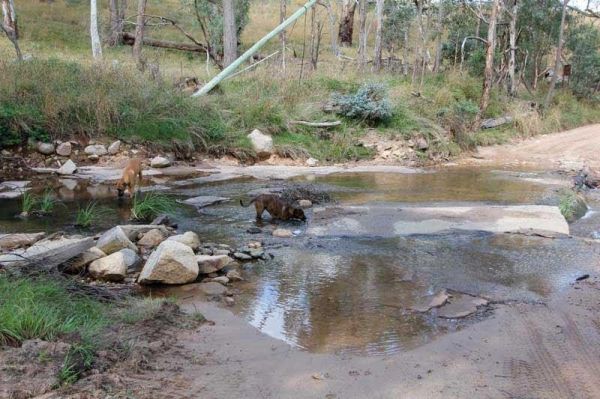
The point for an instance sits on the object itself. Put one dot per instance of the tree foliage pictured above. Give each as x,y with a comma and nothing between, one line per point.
584,44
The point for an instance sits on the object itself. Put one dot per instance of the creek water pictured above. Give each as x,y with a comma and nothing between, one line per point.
356,294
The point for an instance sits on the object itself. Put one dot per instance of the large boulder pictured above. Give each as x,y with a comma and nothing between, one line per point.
160,162
45,148
114,240
114,148
64,149
151,239
114,266
211,264
188,238
261,143
78,263
171,263
68,168
95,149
12,241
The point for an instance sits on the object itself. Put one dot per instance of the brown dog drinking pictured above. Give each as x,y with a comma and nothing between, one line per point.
277,208
132,178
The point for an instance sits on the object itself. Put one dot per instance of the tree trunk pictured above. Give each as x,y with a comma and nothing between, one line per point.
94,35
347,23
438,39
9,25
129,39
139,34
379,35
282,38
405,53
332,33
117,15
559,47
512,82
229,33
362,34
489,64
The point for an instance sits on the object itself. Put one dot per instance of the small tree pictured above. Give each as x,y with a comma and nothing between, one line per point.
94,35
584,44
9,25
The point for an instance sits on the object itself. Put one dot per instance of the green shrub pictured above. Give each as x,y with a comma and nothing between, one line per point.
369,103
150,205
27,203
88,215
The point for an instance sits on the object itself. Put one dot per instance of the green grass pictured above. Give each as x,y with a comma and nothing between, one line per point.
150,205
47,202
88,215
27,203
43,309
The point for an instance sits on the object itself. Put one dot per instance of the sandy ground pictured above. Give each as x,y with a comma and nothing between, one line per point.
565,150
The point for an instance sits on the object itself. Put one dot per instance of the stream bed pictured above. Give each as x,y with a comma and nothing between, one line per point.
357,294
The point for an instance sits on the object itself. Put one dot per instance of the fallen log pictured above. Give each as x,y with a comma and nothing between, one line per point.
129,39
46,254
317,124
495,122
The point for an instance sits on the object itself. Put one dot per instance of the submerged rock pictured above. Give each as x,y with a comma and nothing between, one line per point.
204,200
213,288
12,241
460,306
234,275
114,240
95,149
433,301
171,263
211,264
188,238
282,233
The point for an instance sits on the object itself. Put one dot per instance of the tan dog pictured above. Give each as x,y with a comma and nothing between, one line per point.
277,208
132,178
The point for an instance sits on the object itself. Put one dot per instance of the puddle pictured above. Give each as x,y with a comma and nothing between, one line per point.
354,294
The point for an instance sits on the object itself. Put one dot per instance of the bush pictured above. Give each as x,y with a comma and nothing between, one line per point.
370,103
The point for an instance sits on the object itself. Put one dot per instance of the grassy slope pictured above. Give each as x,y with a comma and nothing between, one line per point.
57,99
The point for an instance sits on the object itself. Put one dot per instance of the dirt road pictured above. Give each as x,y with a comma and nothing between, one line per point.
565,150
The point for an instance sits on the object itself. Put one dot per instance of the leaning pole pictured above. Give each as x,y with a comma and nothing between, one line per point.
257,46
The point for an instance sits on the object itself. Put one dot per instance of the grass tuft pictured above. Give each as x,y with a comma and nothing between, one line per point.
88,215
27,203
150,205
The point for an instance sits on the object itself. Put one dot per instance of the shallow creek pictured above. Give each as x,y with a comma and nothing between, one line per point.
355,294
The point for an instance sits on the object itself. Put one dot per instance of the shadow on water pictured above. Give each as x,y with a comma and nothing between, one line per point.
354,295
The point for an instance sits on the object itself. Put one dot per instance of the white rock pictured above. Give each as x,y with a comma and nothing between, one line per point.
304,203
45,148
114,240
64,149
234,275
212,263
95,149
312,162
160,162
77,264
282,233
113,267
114,148
68,168
171,263
151,239
261,143
188,238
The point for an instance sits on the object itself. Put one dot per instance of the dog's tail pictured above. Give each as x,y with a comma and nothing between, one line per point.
249,203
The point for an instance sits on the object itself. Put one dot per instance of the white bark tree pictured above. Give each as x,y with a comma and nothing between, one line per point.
362,34
94,35
512,84
379,35
489,63
229,33
9,25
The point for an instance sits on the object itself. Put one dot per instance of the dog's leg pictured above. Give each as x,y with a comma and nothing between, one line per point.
259,211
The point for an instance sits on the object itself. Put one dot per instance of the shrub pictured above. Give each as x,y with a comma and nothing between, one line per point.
88,215
370,103
27,203
47,202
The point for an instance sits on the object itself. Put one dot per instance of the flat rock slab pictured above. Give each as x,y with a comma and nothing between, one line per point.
390,220
204,201
48,253
13,189
432,301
